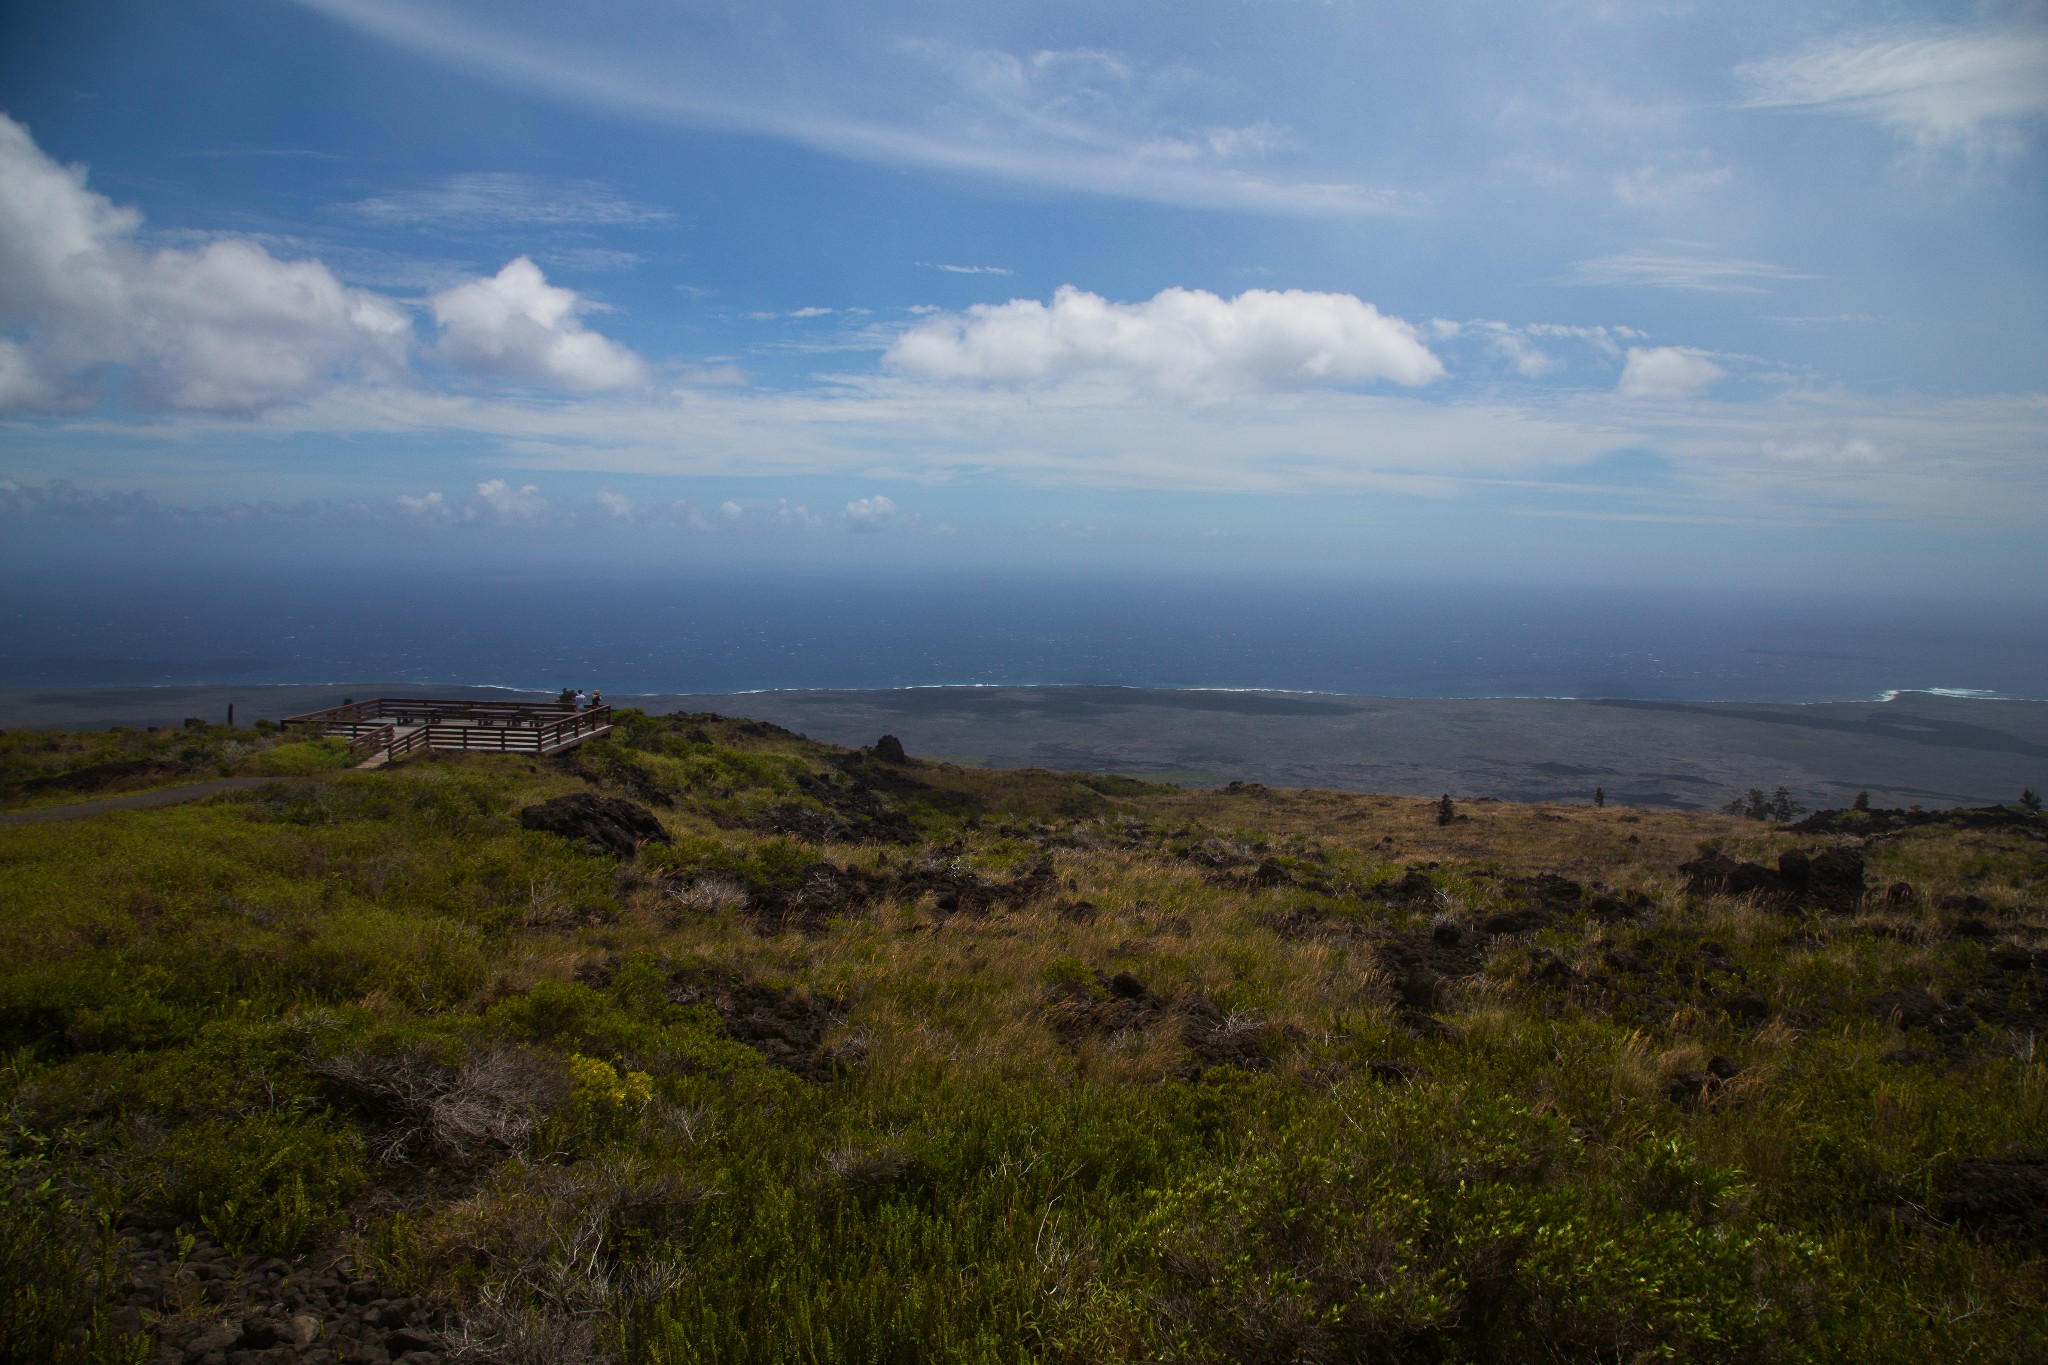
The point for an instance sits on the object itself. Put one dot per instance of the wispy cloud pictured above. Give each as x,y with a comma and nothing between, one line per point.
1972,88
500,199
966,269
1043,118
1680,270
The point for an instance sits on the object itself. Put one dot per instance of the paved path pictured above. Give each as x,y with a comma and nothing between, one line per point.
162,796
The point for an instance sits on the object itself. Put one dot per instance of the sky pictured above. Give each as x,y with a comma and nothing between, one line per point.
1648,292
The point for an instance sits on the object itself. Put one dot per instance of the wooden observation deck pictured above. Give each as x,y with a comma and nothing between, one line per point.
385,728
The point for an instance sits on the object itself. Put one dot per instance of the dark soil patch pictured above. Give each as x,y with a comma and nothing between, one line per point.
1421,963
1123,1003
954,889
1702,1089
98,777
1917,1009
2000,1199
812,900
785,1024
1309,920
603,766
844,811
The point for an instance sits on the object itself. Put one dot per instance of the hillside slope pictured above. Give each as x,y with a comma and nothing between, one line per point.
706,1042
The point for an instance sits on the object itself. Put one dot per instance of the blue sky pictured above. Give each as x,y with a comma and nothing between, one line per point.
1674,291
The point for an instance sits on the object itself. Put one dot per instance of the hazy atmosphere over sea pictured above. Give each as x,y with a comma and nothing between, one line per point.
1671,350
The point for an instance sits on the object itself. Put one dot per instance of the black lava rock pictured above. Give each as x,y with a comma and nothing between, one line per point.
611,824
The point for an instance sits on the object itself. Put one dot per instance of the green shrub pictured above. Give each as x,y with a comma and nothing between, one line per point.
301,756
264,1184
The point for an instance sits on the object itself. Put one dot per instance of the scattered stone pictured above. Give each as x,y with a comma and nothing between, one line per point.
889,749
606,824
338,1316
1832,878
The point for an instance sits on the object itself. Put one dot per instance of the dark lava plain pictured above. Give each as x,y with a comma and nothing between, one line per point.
1917,748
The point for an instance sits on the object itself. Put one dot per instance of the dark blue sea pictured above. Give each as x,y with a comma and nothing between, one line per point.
732,631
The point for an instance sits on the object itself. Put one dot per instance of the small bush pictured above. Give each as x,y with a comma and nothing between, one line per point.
300,756
264,1184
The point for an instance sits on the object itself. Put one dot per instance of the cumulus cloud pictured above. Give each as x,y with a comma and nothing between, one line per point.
1667,372
1967,88
614,502
431,505
731,510
515,325
1183,340
224,327
497,500
871,514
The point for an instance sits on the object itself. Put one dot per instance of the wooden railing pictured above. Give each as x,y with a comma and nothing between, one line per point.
365,741
459,726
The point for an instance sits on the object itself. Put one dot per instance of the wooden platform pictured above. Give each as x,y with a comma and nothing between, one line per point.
385,728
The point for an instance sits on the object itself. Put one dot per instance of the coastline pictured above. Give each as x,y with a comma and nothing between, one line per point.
1926,748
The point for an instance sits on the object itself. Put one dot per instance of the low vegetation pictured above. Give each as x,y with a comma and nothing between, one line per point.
52,767
859,1058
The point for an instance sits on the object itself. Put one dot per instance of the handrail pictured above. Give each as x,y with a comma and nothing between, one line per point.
431,723
436,708
379,737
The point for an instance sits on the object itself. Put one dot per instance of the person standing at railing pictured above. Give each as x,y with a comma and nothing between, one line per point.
580,702
597,699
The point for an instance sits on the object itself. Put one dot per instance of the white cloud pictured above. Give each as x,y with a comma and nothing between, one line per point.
1184,340
1528,360
429,505
967,269
1078,119
616,503
515,325
489,199
731,510
1972,89
1680,270
224,327
497,500
871,514
1667,372
799,515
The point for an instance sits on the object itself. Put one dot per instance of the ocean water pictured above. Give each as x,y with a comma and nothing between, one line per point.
734,631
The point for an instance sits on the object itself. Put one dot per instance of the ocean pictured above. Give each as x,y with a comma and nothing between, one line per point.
725,631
